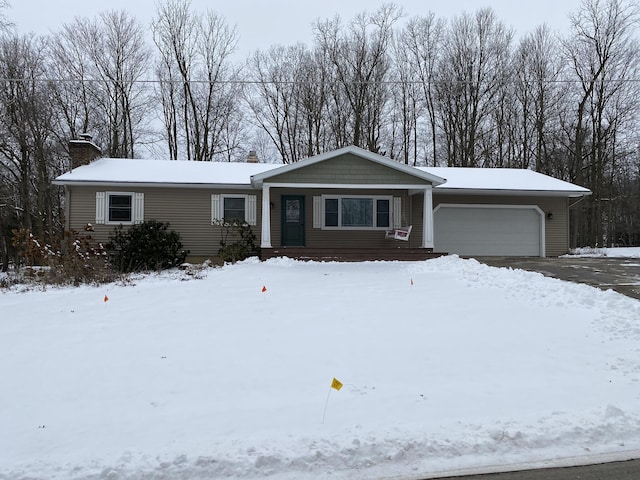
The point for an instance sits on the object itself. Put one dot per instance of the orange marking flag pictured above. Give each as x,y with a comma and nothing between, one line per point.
106,299
264,289
336,384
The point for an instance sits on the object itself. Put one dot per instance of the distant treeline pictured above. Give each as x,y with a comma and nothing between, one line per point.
424,91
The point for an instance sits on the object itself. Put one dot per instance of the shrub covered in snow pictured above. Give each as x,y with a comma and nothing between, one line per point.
81,260
76,258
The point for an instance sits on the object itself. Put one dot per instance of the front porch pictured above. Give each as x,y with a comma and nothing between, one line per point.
350,254
339,205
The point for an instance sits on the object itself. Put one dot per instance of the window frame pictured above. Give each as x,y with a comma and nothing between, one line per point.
250,207
373,198
224,196
107,205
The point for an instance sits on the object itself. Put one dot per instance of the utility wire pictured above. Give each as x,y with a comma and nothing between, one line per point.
296,82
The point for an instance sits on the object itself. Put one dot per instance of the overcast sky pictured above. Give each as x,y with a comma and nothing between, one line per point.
262,23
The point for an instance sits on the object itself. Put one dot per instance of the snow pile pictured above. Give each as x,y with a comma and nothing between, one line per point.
447,365
618,252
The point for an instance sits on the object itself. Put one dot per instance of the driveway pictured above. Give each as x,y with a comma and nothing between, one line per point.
619,274
629,470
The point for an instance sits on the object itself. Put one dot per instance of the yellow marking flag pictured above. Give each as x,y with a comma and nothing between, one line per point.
337,384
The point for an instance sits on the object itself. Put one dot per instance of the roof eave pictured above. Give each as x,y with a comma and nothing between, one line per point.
511,192
85,183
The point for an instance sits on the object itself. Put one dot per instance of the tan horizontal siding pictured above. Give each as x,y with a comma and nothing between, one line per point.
82,211
347,169
318,238
188,212
556,229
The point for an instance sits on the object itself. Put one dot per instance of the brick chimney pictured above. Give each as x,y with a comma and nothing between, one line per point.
252,157
83,151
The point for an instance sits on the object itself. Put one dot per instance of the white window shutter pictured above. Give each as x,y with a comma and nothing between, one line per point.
251,210
138,207
216,214
317,212
101,207
397,212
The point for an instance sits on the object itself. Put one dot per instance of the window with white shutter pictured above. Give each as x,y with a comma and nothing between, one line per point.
397,212
113,208
230,208
138,208
100,207
216,215
317,211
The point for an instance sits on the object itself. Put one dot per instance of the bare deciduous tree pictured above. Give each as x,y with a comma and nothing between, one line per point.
102,62
406,107
470,74
421,40
603,52
28,159
198,82
275,99
5,23
538,93
360,59
288,100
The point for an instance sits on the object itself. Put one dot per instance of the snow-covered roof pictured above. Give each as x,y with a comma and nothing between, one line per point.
507,180
357,151
163,172
112,171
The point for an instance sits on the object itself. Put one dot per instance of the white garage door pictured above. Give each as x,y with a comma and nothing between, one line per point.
488,230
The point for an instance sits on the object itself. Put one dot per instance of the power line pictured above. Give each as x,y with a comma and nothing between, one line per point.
296,82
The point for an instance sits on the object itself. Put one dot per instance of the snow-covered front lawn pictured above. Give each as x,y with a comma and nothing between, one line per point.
447,364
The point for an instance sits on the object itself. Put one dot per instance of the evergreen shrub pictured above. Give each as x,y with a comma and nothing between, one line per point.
149,245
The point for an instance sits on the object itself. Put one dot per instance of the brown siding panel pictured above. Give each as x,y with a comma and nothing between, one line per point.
318,238
347,169
188,211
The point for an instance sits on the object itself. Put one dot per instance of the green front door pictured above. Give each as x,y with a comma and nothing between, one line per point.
293,221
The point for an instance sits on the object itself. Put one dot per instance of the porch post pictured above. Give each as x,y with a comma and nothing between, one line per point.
266,217
427,221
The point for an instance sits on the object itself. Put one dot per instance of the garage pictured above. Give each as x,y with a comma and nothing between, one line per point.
489,230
